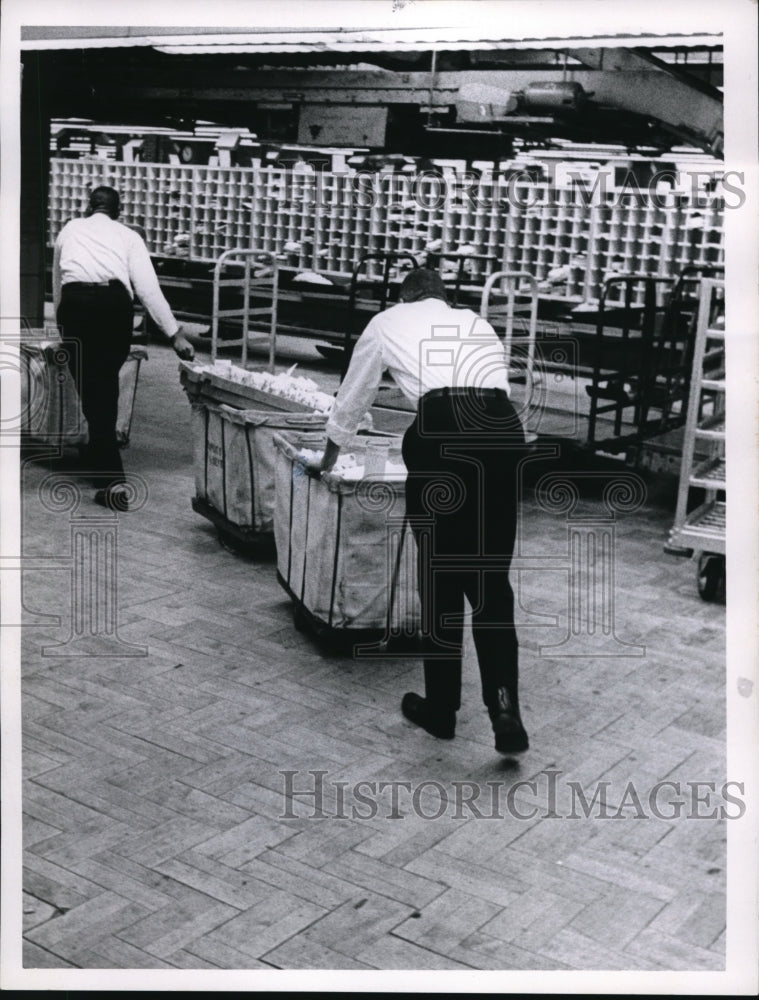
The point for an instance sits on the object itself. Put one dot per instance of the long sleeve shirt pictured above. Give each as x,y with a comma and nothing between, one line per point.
423,345
98,248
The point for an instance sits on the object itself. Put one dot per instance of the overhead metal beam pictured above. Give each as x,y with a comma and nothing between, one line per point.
616,79
637,82
685,110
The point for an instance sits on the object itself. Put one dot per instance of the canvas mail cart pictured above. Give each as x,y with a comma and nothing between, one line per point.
232,427
234,466
345,553
51,413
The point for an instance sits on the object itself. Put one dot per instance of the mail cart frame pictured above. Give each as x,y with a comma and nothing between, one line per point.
701,531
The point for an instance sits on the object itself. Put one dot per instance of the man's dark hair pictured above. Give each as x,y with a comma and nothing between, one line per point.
104,199
422,283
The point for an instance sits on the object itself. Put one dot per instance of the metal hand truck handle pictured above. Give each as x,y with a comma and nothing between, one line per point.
388,258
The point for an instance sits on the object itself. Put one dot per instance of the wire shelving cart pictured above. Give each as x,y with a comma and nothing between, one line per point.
700,516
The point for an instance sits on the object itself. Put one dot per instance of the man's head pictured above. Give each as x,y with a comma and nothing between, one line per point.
422,284
104,199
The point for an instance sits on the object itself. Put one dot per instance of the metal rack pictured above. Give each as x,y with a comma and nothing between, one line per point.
454,267
641,356
520,294
515,317
354,322
701,529
246,274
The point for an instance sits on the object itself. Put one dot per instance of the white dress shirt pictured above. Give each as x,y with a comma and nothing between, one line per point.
98,248
423,345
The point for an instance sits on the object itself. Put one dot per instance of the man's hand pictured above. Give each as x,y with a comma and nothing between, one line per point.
314,469
183,347
324,463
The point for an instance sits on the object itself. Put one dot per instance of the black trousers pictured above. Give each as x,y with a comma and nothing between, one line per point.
462,454
96,323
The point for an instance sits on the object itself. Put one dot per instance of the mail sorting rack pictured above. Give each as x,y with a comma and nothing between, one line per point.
572,240
412,215
660,239
700,530
70,184
547,234
162,201
338,241
693,235
471,227
326,221
219,220
246,276
283,216
627,240
178,190
458,232
301,238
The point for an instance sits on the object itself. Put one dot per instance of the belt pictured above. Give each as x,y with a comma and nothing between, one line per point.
92,284
473,390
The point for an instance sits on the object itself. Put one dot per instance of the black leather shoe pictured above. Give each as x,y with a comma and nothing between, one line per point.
417,710
114,499
510,734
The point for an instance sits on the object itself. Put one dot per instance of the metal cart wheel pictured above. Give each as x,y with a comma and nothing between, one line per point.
710,575
254,547
227,540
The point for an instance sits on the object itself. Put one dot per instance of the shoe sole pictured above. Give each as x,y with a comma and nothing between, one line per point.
410,714
515,746
511,740
420,725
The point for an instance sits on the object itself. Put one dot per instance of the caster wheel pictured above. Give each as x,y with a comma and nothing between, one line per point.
228,541
710,575
299,621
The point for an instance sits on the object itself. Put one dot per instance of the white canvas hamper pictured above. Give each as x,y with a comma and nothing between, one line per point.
234,459
344,551
50,409
205,386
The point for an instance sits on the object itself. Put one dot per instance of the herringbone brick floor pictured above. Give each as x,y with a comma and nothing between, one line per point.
157,831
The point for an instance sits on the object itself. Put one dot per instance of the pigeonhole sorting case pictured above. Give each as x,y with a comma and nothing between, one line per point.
234,461
345,553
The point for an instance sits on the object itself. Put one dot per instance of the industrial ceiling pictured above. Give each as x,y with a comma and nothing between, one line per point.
408,90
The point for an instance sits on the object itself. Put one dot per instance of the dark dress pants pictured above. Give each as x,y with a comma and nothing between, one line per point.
462,454
96,325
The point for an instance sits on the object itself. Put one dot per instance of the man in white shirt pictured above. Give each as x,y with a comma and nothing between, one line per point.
98,266
462,452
